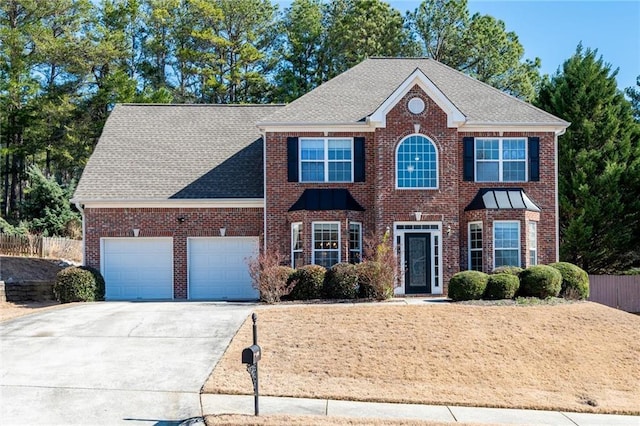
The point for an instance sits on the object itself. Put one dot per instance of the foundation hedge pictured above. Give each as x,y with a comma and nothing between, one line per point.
575,281
468,285
541,281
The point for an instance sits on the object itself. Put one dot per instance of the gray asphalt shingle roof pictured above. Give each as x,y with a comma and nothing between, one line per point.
357,93
159,152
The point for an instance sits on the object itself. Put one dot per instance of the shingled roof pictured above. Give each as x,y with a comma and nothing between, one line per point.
355,94
161,152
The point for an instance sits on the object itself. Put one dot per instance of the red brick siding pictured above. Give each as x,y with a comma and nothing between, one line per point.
163,222
384,204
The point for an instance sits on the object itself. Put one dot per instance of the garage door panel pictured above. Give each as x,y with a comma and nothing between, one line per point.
138,268
218,268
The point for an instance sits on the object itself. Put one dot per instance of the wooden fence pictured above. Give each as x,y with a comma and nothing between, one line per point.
618,291
38,246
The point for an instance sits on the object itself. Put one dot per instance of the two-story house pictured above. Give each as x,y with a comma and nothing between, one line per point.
175,198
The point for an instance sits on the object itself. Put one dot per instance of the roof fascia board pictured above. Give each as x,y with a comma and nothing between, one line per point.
454,116
558,129
174,204
315,127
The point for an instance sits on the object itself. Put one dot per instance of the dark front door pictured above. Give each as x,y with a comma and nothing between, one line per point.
417,263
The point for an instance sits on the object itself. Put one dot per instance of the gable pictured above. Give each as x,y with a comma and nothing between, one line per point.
455,117
357,97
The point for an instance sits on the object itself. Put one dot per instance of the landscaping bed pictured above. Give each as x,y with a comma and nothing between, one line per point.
579,356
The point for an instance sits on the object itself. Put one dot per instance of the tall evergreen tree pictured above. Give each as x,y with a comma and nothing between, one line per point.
599,165
479,46
358,29
303,58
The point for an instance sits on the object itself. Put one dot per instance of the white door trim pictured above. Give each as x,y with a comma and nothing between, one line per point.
433,228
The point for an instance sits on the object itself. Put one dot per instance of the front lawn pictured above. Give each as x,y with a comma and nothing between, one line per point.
580,357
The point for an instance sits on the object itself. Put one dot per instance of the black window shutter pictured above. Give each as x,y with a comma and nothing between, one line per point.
467,155
534,159
292,159
358,159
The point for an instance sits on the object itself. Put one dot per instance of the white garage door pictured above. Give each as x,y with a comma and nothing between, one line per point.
138,268
218,268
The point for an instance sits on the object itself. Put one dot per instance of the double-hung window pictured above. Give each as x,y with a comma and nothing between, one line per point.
326,160
326,243
355,242
506,243
297,257
475,246
533,243
501,160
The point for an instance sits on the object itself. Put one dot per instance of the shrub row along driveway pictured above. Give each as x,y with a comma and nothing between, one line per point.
110,363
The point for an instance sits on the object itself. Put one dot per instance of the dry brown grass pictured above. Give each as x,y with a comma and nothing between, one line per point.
580,357
284,420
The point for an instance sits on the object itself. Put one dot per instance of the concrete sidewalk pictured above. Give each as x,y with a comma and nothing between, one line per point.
241,404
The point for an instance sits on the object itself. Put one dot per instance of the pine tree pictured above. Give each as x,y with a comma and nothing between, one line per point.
599,165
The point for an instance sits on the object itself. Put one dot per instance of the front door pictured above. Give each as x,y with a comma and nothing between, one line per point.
417,263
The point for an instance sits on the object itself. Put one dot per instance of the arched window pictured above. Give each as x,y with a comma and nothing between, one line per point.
416,163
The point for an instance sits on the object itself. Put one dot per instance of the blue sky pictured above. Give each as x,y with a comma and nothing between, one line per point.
551,30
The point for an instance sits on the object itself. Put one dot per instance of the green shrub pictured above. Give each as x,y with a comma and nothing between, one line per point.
97,276
374,281
501,286
540,281
467,285
74,284
308,281
575,281
511,270
341,282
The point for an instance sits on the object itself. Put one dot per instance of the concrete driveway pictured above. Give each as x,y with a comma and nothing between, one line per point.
112,362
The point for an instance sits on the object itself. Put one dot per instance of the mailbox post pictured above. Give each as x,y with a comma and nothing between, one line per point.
251,356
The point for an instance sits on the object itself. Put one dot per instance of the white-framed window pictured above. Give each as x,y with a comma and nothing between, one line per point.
533,243
506,243
475,246
297,256
326,159
416,163
500,159
326,243
355,242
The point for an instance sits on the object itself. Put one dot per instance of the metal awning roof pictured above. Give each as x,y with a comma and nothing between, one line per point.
326,199
502,198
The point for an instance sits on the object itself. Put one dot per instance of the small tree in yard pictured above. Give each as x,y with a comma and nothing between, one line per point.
377,274
269,277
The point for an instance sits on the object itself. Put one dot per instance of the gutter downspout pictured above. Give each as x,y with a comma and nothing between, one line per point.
264,189
84,233
556,171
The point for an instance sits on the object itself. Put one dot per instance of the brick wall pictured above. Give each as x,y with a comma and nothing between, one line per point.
384,204
179,223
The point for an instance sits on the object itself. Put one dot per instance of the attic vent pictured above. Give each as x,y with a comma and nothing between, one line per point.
416,105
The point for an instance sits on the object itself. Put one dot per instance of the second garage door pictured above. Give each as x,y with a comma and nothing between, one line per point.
218,268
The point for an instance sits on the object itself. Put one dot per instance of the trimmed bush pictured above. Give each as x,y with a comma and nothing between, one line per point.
74,284
341,282
308,282
501,286
467,285
540,281
374,281
575,281
511,270
97,276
